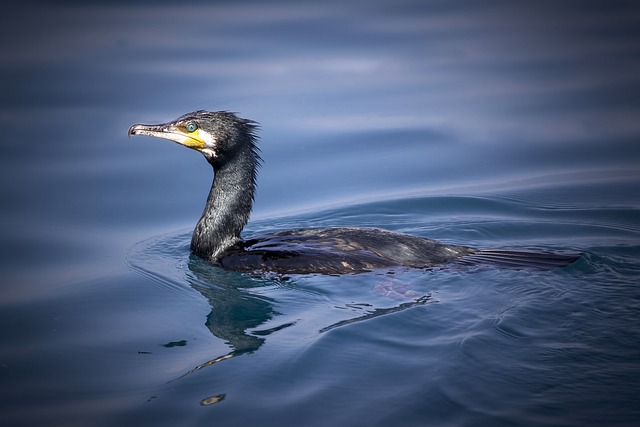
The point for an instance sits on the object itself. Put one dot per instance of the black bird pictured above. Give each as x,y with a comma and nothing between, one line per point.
229,145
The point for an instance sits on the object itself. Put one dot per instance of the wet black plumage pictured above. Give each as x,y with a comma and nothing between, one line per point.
229,144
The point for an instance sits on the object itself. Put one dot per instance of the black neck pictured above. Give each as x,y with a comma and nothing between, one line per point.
228,205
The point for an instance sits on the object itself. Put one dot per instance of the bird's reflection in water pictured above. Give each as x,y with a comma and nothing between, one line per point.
237,314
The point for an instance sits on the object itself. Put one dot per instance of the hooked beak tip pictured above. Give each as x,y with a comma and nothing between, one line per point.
132,130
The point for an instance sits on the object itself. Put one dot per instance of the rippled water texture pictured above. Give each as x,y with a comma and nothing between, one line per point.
491,124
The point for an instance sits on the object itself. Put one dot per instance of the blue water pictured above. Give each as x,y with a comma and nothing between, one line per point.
493,124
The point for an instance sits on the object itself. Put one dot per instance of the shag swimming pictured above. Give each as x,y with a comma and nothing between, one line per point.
229,143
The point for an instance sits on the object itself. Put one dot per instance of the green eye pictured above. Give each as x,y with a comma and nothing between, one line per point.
191,127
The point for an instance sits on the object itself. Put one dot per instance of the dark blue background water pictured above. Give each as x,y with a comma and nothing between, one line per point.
495,124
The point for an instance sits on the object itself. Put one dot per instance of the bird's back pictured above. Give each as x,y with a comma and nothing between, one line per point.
337,250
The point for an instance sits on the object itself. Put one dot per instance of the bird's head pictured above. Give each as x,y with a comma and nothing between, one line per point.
217,135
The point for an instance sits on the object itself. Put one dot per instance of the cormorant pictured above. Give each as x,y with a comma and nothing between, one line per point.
228,142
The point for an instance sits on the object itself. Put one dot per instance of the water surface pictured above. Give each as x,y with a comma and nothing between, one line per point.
492,125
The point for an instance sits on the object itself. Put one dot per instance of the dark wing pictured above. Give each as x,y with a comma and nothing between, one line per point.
337,251
343,250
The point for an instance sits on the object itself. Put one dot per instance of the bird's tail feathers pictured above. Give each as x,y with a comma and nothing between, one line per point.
519,259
